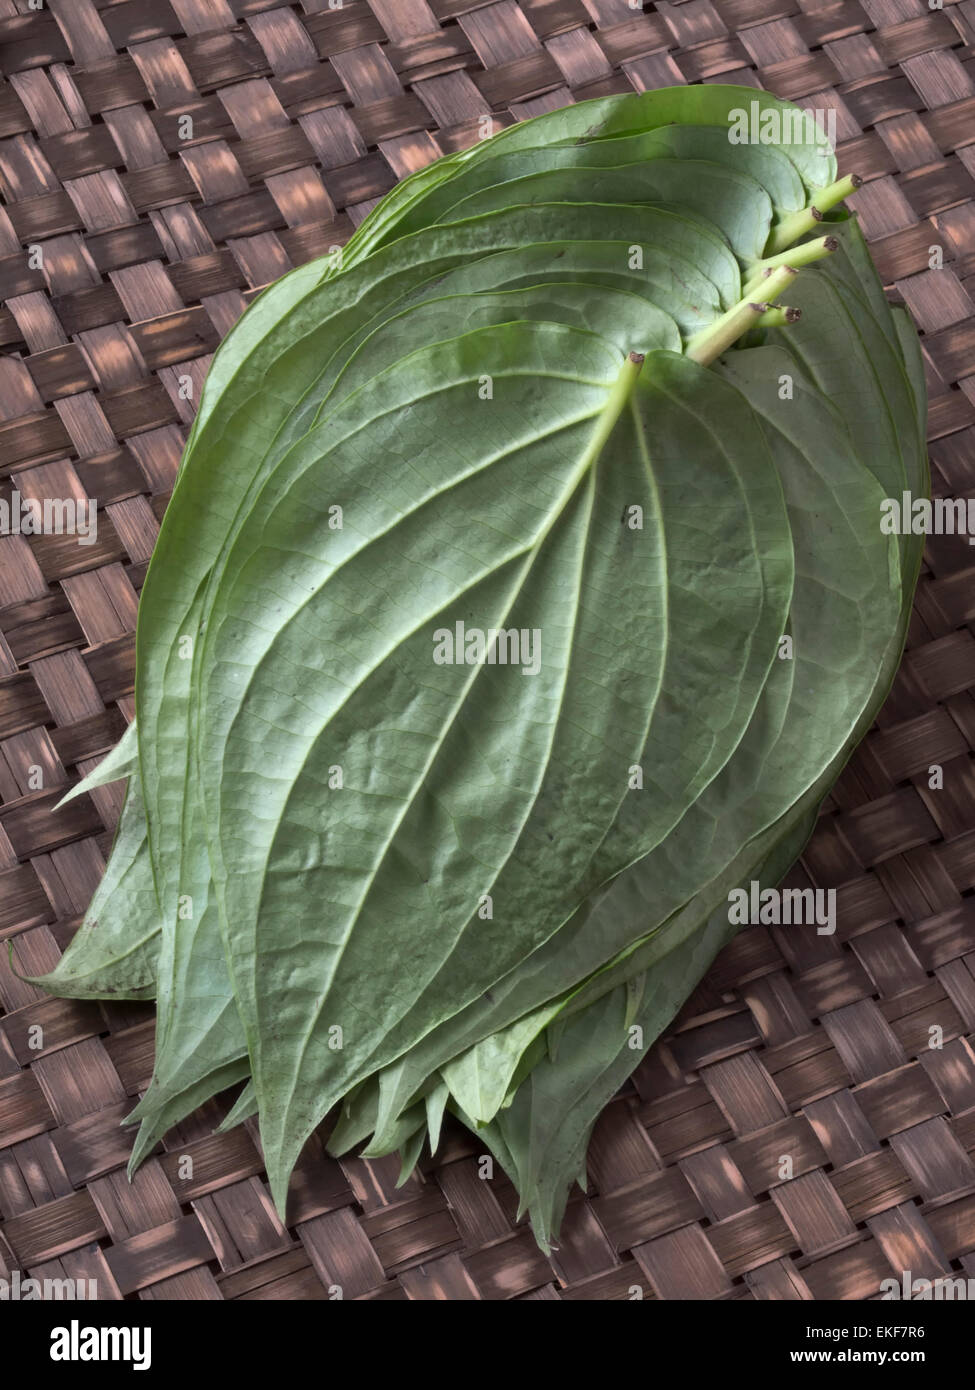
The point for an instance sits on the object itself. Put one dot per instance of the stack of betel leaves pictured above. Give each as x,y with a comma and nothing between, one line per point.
522,594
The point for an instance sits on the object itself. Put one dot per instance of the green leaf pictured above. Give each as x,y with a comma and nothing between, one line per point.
436,1103
706,145
530,395
807,713
480,1078
114,953
736,203
559,526
612,118
410,1152
121,762
545,1133
242,1109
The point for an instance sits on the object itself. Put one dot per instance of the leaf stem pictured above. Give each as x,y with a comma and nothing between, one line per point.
607,420
791,228
705,347
799,224
807,254
779,316
827,198
616,403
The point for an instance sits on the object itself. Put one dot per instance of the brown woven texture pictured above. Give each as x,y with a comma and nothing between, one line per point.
799,1046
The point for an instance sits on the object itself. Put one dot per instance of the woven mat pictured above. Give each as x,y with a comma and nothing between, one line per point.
800,1134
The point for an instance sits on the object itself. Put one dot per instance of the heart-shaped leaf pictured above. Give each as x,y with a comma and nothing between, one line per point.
522,594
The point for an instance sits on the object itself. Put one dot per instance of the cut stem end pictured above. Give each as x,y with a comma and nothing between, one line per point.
779,316
800,224
705,347
708,346
807,254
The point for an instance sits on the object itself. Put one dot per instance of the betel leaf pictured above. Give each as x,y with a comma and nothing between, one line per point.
671,280
588,260
532,540
294,370
799,138
710,249
120,763
536,392
840,635
542,1137
114,953
502,179
480,1078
